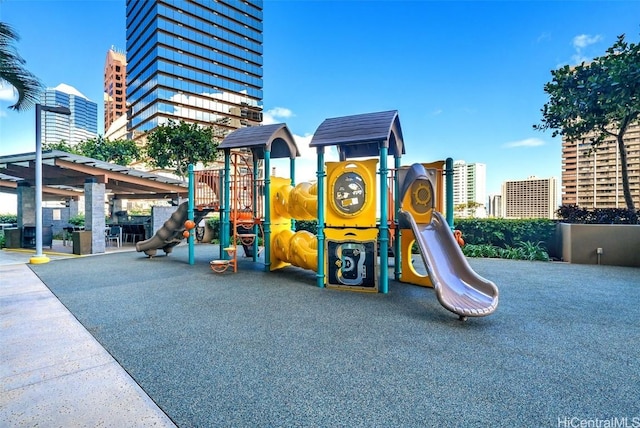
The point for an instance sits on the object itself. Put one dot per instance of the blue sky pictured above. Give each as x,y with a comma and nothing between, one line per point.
466,76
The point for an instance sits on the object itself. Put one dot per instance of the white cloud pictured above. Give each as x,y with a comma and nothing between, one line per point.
584,40
7,93
581,42
275,115
544,37
527,142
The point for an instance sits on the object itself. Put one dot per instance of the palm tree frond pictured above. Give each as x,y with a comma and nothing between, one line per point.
13,72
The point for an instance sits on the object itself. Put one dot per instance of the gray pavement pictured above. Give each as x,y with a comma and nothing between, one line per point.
54,372
271,349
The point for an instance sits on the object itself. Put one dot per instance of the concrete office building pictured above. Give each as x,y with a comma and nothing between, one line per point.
118,129
194,60
469,187
595,180
530,198
115,97
81,125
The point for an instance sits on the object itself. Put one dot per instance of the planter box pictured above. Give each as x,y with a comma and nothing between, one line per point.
619,244
13,238
81,242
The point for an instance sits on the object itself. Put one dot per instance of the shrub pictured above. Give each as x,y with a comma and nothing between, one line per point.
523,251
214,224
308,225
77,220
8,218
506,233
577,215
533,251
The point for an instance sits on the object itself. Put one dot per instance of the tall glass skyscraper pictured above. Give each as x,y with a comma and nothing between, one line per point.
81,125
195,60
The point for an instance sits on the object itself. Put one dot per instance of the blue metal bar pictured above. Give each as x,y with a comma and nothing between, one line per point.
190,206
267,210
226,216
292,172
448,172
397,255
254,195
320,185
384,227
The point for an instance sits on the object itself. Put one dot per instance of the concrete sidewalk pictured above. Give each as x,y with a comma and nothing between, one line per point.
257,348
54,373
58,251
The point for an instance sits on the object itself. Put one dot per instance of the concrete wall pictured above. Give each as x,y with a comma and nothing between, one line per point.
159,215
94,211
619,244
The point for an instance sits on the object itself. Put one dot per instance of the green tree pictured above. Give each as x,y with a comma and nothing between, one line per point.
120,152
469,205
597,101
177,144
13,71
62,146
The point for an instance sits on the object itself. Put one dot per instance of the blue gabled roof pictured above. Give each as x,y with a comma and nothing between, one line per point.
361,135
276,138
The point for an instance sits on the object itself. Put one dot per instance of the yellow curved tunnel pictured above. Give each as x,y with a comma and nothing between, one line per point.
299,203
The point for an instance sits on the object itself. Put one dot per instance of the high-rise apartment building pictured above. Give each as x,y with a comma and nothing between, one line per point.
469,189
594,180
495,206
115,97
530,198
81,125
194,60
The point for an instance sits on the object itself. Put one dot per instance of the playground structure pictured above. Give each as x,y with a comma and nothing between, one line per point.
366,213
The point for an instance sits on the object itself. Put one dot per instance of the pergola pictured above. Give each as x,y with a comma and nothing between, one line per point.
64,176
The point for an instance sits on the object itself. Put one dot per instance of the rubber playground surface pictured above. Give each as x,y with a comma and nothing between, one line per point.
272,349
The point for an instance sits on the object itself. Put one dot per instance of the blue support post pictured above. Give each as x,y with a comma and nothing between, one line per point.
448,172
190,206
320,185
221,213
397,255
226,216
267,211
292,172
254,193
384,227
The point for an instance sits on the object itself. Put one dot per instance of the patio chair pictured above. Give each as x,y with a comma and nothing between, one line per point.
114,234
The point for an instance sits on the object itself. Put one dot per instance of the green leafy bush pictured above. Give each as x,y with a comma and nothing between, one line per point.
77,220
575,214
8,218
506,233
310,226
523,251
213,223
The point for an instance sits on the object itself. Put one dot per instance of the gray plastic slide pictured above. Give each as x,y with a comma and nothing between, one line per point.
170,234
458,288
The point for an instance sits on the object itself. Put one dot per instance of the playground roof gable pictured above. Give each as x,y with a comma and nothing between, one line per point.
275,138
361,135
